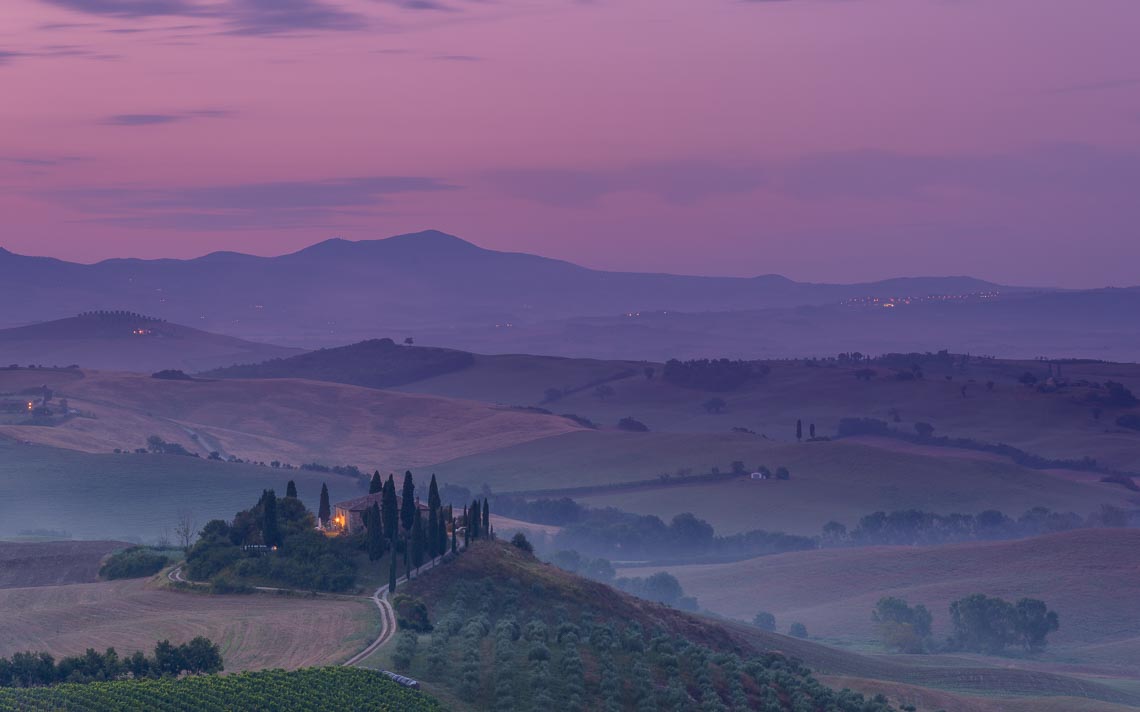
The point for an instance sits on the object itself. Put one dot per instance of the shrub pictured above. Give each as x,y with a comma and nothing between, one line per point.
764,621
519,541
135,562
797,630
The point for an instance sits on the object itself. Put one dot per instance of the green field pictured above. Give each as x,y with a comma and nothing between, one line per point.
308,689
839,480
135,497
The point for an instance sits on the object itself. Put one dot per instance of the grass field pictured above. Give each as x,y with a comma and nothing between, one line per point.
136,497
839,480
254,632
1083,575
1010,413
288,420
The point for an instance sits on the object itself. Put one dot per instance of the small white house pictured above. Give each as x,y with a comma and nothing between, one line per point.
758,476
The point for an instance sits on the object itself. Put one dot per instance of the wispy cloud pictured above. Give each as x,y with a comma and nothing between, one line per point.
284,204
6,56
244,17
160,119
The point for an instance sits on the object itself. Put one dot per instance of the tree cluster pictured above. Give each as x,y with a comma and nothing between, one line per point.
28,669
713,374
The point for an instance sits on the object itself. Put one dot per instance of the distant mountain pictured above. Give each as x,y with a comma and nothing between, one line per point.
1096,324
340,291
126,341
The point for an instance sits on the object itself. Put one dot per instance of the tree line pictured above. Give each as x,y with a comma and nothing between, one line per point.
28,669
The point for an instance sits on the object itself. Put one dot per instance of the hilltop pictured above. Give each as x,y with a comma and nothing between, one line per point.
126,341
376,363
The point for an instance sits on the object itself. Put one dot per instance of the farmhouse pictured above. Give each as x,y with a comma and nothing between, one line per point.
348,516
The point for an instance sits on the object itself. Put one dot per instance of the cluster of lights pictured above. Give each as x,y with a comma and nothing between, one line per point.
892,302
141,332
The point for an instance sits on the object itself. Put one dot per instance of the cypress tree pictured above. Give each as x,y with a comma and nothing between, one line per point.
419,541
375,532
270,535
486,528
408,505
445,517
375,484
466,527
392,572
291,489
454,548
390,509
433,494
799,430
473,520
324,511
433,533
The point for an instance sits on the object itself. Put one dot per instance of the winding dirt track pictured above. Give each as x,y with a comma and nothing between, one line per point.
379,597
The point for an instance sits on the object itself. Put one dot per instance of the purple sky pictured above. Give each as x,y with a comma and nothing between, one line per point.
828,140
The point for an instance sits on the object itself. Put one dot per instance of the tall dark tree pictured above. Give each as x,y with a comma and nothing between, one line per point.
434,501
486,528
799,430
392,571
408,503
270,535
454,544
375,537
474,519
390,510
432,533
325,510
291,489
419,541
466,527
445,517
811,430
376,484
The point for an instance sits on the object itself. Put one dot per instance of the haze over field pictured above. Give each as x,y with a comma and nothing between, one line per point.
589,355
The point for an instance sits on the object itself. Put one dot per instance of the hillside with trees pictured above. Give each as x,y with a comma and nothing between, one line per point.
376,363
511,633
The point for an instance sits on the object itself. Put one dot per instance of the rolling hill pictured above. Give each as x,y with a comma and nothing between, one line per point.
288,420
1080,574
503,590
839,480
1068,421
125,341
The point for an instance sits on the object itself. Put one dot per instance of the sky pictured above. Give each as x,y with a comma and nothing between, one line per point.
825,140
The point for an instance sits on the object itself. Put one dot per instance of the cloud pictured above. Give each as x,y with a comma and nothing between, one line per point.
244,17
160,119
282,204
6,57
432,5
40,161
457,58
853,175
134,8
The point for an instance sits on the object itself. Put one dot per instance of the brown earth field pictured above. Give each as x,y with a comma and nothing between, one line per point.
1009,413
838,480
254,631
52,563
1090,577
288,420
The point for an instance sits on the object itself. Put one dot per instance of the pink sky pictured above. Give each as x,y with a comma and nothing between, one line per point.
823,140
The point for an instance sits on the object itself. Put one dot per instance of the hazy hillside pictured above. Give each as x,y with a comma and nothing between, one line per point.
126,341
1097,324
1080,574
289,420
339,291
377,363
